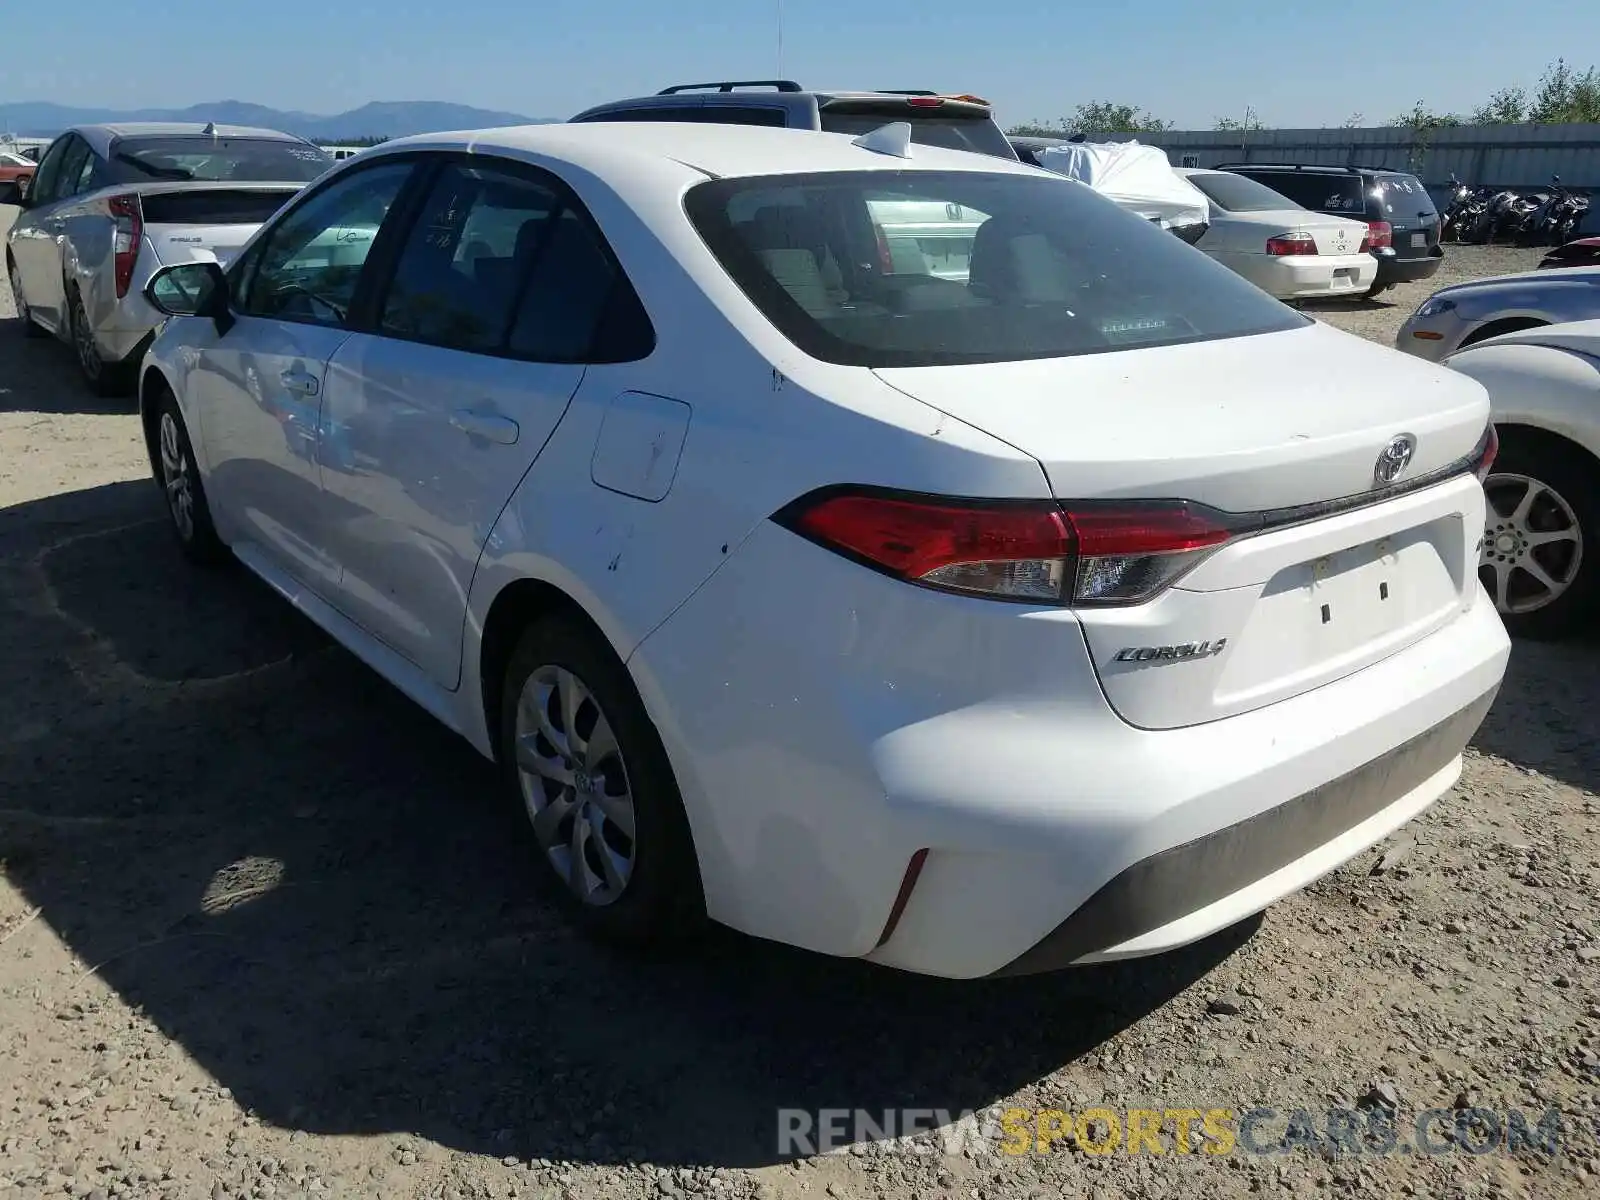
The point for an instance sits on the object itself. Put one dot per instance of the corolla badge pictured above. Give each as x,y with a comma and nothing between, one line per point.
1394,460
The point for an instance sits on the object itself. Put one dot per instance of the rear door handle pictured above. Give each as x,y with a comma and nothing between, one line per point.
299,381
490,426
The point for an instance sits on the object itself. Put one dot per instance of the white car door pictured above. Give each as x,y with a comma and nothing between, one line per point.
432,419
258,387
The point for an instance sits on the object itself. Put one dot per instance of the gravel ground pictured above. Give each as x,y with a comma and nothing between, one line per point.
261,935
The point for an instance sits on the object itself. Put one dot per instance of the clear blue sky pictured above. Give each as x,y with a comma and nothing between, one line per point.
1294,63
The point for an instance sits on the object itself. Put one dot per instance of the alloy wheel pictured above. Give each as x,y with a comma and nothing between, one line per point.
1532,543
176,477
83,341
575,785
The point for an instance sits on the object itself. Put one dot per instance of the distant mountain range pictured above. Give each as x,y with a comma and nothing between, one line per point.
393,118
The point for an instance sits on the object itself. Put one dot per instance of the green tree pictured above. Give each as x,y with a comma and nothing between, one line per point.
1249,123
1097,118
1566,96
1422,119
1508,106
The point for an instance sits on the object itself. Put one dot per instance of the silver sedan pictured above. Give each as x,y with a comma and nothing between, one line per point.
1466,313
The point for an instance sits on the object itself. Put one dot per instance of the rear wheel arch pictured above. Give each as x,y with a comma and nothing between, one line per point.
514,608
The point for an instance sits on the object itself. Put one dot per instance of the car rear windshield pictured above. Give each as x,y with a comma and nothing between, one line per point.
1235,193
217,160
1403,195
928,268
1330,193
975,132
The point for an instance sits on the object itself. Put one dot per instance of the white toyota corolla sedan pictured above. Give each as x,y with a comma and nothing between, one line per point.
1067,608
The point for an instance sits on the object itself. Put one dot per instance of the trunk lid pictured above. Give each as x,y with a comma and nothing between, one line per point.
190,221
1284,421
1333,235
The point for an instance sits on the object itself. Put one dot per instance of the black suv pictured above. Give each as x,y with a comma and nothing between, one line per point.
954,122
1394,204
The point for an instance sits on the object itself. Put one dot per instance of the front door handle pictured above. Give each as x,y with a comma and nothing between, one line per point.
302,382
490,426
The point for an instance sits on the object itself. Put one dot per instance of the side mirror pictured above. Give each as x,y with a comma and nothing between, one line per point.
192,289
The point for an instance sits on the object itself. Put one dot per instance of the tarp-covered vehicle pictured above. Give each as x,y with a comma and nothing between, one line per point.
1137,177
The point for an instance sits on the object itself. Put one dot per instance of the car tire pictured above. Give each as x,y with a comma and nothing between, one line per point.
1542,486
176,473
603,815
107,380
30,327
1377,290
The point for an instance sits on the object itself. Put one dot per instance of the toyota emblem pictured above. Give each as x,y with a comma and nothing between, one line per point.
1396,457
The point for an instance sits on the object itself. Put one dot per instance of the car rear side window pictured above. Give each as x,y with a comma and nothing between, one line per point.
457,279
990,268
499,263
1320,193
1235,193
216,160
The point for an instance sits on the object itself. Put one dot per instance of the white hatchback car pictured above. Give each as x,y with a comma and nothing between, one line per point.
1283,248
1067,610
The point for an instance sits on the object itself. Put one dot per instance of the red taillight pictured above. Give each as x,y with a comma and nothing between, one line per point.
885,255
129,219
1488,450
925,101
1291,243
1043,553
1380,235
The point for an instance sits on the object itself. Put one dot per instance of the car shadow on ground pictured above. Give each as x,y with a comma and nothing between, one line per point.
299,878
1544,717
40,375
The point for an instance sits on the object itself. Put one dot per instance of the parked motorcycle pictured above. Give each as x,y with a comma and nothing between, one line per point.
1547,223
1502,213
1464,211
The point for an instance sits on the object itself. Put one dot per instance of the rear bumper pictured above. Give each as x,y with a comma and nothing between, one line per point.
1409,270
1214,880
1295,277
827,725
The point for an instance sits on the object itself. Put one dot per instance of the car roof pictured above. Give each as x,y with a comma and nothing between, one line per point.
100,137
1312,168
717,150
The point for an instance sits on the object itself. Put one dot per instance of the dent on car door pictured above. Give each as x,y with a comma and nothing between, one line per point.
259,386
433,419
36,243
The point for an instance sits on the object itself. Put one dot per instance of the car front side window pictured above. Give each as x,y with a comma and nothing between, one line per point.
310,263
